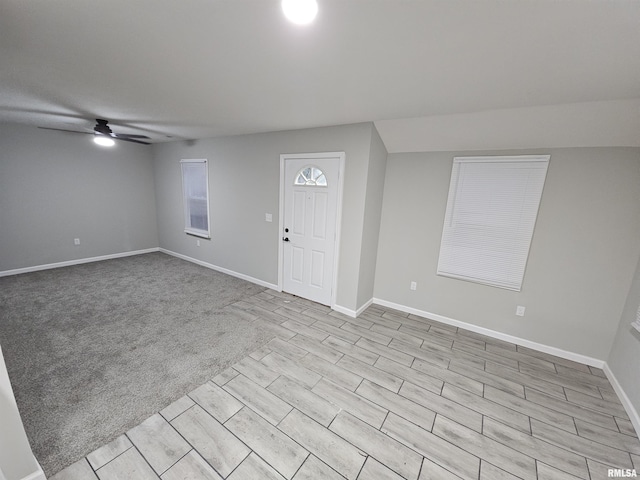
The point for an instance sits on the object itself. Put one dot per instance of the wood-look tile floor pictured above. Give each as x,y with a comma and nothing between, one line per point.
385,396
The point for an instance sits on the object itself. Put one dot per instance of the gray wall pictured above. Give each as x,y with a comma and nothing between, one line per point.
55,187
582,259
244,182
372,215
624,358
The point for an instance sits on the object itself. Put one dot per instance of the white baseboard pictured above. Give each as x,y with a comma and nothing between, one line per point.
37,475
352,313
202,263
558,352
626,402
79,261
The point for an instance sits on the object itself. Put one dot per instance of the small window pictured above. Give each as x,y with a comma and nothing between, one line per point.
491,213
195,190
311,176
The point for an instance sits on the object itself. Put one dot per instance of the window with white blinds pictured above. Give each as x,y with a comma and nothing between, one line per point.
195,191
491,213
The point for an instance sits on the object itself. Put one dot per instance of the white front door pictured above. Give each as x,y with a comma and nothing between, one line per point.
311,191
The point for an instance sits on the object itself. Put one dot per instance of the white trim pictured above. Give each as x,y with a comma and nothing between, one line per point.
558,352
79,261
353,313
336,259
626,402
221,269
344,310
37,475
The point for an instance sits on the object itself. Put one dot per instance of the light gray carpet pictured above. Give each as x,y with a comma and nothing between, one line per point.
94,349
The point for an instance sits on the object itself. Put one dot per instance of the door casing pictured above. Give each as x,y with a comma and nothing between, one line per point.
339,157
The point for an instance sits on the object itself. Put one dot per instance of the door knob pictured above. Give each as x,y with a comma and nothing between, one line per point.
286,239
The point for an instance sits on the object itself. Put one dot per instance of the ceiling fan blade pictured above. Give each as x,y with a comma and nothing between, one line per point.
63,130
130,140
127,135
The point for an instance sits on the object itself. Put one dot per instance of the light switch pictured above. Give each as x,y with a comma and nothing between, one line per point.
268,217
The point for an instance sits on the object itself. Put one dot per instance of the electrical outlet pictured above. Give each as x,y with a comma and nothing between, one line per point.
197,243
520,310
76,241
413,285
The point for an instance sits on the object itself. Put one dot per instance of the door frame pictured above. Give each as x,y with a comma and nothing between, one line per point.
340,157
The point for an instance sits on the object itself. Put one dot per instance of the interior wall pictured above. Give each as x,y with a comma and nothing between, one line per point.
372,215
244,182
582,258
624,357
56,186
16,459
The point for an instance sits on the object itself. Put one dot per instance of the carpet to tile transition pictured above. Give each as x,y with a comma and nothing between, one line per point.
94,349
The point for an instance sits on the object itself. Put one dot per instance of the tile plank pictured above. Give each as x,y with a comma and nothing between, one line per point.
276,448
453,378
215,401
357,405
291,368
128,466
316,348
532,446
350,349
409,374
189,467
579,445
494,380
575,411
490,472
608,437
176,408
376,375
533,410
254,468
304,400
158,442
103,455
256,371
214,442
432,471
493,452
80,470
393,454
442,452
488,408
336,374
314,469
322,443
258,399
374,470
442,406
421,416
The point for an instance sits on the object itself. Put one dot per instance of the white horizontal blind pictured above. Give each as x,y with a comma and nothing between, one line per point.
195,189
491,213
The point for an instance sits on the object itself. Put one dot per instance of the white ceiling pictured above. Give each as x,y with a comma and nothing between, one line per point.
204,68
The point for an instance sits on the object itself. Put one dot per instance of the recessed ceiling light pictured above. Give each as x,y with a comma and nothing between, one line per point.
104,140
300,11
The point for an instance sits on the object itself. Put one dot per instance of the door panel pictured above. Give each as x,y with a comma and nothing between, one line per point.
310,212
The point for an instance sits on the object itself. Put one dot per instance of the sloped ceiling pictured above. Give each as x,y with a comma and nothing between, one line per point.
195,68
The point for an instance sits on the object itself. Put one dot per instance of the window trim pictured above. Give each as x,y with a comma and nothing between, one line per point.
185,209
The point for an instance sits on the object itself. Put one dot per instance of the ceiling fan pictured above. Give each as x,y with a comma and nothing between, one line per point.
104,135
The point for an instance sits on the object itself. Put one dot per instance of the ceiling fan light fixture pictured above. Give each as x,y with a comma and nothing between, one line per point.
104,141
300,12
